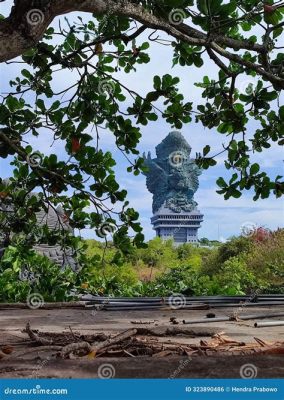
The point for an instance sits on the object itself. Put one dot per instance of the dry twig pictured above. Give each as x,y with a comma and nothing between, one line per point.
36,338
116,339
73,347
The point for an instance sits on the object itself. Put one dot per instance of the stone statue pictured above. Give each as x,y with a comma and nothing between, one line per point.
172,177
54,219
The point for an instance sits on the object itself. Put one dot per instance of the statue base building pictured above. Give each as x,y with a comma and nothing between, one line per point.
172,177
181,227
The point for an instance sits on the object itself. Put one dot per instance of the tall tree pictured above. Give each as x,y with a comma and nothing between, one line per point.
241,37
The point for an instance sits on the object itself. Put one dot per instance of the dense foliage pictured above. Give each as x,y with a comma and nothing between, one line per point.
24,273
243,265
241,38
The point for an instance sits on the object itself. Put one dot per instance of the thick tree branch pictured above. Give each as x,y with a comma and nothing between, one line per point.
219,62
250,65
24,27
223,40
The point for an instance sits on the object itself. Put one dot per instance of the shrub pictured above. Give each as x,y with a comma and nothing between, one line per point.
23,271
235,278
240,266
110,279
266,260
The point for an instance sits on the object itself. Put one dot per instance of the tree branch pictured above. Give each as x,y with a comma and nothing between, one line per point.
25,27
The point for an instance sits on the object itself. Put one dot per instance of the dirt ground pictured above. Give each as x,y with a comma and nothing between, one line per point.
23,358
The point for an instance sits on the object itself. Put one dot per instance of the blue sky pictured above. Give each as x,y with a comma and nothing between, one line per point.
222,219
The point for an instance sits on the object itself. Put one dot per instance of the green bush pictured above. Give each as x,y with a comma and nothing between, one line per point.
240,266
235,278
109,279
45,278
266,260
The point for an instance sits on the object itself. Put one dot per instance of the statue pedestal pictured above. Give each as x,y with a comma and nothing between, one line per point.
181,227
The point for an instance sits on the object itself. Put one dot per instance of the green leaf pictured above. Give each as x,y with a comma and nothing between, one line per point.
206,150
254,169
157,82
40,104
12,103
236,193
221,182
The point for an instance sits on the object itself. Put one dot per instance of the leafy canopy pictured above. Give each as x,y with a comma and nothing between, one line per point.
241,37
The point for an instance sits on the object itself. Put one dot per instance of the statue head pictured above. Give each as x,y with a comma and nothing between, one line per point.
174,148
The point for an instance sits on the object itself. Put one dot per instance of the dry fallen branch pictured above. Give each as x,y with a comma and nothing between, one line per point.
75,347
41,349
128,353
36,338
116,339
262,342
174,330
129,344
8,349
143,322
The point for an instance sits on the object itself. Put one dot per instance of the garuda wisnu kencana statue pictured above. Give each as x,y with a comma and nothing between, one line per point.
172,177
